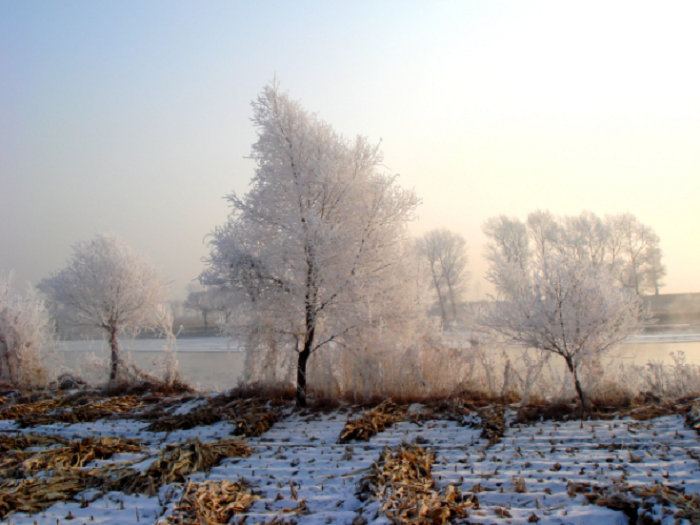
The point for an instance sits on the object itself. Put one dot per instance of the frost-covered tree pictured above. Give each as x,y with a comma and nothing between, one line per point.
586,238
545,232
446,254
563,306
655,269
314,249
199,301
638,265
107,285
507,240
26,330
620,243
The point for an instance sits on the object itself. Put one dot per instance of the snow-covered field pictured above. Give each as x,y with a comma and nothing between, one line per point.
299,459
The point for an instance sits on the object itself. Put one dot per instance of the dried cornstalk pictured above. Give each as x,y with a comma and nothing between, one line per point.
692,416
35,494
402,481
251,417
91,411
492,423
22,441
175,463
370,424
638,502
79,454
212,502
18,410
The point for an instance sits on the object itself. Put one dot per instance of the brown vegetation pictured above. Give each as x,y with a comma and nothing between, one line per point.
376,420
402,481
212,502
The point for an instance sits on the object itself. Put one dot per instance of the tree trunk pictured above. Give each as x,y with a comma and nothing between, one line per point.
301,378
114,345
6,370
206,323
304,355
310,325
579,389
452,300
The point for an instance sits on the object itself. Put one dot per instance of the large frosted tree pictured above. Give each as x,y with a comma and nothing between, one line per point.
313,251
107,285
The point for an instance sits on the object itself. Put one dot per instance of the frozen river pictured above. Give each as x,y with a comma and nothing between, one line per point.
213,363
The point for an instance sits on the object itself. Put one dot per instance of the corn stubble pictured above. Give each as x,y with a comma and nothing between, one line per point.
251,417
68,479
89,412
212,502
638,502
370,424
402,482
59,459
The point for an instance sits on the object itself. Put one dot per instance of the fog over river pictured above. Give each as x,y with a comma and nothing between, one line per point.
214,363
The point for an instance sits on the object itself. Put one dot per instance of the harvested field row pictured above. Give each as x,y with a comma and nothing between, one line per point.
21,441
212,502
403,483
172,465
36,494
251,417
91,411
20,463
19,409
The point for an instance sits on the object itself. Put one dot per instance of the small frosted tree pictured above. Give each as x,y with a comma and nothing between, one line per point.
564,307
315,249
26,330
106,285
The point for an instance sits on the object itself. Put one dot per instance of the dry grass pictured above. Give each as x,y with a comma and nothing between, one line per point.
641,408
152,385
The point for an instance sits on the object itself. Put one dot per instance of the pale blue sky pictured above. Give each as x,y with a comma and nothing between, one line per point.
133,117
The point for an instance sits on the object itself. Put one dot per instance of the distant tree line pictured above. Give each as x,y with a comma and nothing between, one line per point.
621,243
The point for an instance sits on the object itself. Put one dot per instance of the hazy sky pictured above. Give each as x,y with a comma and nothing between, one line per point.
134,117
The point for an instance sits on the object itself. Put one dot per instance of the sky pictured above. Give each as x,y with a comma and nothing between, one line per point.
133,118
